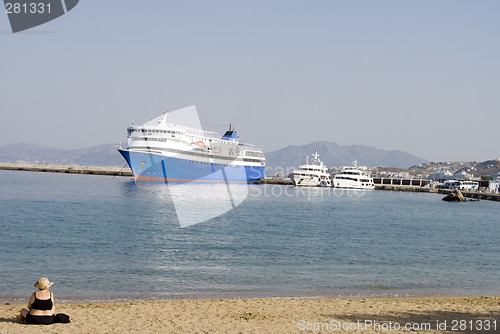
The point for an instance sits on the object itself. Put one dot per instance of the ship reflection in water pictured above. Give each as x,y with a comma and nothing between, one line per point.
197,202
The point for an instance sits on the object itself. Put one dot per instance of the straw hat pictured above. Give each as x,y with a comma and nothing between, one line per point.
43,283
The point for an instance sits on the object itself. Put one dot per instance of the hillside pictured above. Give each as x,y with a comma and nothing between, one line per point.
102,155
470,168
334,155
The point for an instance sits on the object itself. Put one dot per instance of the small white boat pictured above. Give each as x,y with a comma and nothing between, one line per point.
313,173
354,177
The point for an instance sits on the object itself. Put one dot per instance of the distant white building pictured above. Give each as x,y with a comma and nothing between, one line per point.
404,175
494,186
441,175
463,175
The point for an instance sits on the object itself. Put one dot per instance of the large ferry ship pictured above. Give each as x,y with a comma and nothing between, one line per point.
165,150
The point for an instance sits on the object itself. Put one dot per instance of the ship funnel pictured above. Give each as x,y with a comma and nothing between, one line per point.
230,135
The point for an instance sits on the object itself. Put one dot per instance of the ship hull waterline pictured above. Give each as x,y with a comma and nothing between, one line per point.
147,166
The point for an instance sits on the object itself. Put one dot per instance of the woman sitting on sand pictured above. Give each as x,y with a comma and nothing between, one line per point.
41,305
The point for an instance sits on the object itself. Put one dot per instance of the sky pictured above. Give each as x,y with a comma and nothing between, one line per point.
418,76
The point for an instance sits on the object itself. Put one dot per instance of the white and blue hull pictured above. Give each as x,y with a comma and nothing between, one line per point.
150,166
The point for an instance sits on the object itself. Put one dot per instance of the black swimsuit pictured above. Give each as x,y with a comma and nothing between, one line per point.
44,305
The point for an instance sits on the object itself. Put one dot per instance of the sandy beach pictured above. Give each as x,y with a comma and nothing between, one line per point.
264,315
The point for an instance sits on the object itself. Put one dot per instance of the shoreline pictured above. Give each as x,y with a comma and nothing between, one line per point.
149,298
435,314
126,172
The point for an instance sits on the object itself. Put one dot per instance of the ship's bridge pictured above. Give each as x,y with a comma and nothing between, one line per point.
230,135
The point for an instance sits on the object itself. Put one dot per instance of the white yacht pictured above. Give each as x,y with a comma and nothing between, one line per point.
354,177
313,173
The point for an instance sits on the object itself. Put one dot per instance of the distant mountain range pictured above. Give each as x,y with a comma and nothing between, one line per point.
332,154
102,155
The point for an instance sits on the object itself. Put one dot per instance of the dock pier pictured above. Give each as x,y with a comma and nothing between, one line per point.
400,182
95,170
283,182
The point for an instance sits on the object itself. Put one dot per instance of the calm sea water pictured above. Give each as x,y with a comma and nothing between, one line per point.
104,238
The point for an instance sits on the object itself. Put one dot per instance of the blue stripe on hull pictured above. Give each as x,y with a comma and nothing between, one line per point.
160,168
